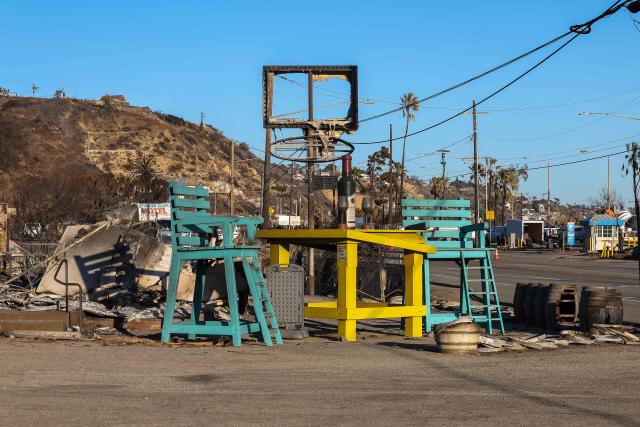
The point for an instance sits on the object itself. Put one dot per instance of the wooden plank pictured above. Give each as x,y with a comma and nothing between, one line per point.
190,203
193,241
457,203
193,228
198,190
448,223
436,213
444,244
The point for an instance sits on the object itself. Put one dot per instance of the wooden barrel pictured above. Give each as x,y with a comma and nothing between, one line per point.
539,305
461,338
530,304
561,307
592,306
614,307
518,302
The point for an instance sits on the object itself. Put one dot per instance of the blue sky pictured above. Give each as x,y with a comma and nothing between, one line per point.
186,57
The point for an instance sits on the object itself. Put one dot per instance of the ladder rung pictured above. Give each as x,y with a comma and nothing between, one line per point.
483,293
477,268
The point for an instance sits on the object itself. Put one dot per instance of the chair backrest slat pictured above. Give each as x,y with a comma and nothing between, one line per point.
443,217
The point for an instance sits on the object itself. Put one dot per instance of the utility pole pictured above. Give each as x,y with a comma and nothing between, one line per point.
291,195
608,182
475,166
311,273
486,185
233,175
266,179
548,193
391,175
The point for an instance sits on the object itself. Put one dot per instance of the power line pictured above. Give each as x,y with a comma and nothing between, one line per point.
584,28
630,103
472,79
569,150
539,63
419,156
557,164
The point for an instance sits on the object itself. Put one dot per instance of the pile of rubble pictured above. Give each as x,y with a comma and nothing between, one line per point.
519,341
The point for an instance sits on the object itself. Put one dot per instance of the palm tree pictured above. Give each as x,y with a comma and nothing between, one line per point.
491,178
410,104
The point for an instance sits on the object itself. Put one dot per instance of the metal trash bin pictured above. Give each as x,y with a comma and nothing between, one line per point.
286,288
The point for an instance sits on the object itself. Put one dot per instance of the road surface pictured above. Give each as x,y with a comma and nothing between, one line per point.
550,267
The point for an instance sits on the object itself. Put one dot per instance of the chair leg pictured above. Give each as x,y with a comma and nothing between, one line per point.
464,308
232,296
258,306
427,295
170,303
201,277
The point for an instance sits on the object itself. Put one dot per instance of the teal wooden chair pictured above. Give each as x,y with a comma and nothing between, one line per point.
193,240
447,226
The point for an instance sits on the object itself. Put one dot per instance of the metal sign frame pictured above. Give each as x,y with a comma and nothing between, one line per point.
347,124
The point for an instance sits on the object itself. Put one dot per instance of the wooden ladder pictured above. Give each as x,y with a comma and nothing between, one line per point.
490,306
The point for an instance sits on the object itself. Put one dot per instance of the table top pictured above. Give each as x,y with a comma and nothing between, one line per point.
404,239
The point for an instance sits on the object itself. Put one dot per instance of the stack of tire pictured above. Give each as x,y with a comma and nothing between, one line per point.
555,306
546,306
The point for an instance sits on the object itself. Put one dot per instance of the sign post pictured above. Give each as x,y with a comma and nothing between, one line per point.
571,233
490,216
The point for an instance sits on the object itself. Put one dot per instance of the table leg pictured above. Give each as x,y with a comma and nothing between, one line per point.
347,283
279,253
413,291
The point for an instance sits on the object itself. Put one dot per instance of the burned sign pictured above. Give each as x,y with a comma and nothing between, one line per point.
320,139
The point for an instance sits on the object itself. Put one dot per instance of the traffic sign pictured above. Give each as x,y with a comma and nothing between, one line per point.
272,210
491,215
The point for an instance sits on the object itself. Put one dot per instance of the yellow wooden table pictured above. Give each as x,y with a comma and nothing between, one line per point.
347,310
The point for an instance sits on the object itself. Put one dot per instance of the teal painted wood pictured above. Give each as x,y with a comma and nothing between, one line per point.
490,306
180,189
190,248
192,203
454,242
453,203
441,213
447,223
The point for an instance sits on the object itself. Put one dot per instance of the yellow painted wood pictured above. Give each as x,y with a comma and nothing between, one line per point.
325,311
346,309
330,304
321,312
279,253
347,256
403,239
347,330
382,312
413,291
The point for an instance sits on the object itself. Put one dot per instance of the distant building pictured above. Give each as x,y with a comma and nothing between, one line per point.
114,101
601,230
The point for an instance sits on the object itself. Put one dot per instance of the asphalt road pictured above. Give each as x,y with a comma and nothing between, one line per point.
387,380
550,267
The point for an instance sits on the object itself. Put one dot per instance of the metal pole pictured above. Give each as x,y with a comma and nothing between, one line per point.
233,174
291,195
391,197
486,186
608,182
266,180
475,167
548,193
311,274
